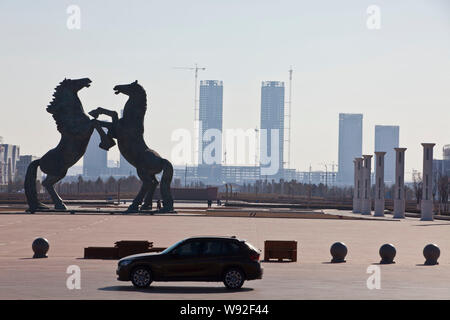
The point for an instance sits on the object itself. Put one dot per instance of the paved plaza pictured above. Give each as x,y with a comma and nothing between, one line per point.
311,277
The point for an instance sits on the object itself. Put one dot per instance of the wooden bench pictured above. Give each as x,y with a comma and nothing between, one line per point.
129,247
280,249
121,249
101,253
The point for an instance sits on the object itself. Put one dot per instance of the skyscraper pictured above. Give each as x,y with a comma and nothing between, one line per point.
95,160
272,125
210,129
126,168
210,116
386,139
350,145
10,155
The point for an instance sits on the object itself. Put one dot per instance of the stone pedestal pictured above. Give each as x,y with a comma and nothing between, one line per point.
379,184
399,201
358,185
426,211
366,203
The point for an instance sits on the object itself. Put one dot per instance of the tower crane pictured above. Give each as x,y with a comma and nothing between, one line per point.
196,68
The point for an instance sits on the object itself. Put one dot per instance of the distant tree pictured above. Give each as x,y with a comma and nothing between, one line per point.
417,186
443,186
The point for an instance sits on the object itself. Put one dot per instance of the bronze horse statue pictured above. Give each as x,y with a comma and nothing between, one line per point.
76,129
129,132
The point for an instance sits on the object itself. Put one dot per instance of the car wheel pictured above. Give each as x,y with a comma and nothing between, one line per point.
141,277
233,278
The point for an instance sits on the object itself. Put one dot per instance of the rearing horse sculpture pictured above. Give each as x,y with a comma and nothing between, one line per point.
129,132
76,129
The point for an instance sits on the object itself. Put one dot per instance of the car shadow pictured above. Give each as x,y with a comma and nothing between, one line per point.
174,289
275,261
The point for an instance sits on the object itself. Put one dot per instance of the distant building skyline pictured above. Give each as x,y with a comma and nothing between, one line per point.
22,166
95,160
9,156
387,137
350,145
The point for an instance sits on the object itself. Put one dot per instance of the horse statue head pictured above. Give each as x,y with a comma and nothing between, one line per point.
136,106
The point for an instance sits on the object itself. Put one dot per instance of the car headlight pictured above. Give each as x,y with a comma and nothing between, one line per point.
124,263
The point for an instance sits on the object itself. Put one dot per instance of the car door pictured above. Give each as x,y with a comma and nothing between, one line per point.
212,258
182,264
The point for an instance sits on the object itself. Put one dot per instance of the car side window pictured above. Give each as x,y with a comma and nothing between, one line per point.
231,248
190,249
213,248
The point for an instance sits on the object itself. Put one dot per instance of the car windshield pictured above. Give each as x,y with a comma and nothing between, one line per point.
251,246
172,247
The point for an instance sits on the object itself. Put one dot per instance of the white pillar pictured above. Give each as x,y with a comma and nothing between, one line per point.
427,183
399,201
366,187
358,185
379,184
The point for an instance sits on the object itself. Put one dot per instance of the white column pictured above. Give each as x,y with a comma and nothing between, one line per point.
366,187
399,201
379,184
427,183
358,185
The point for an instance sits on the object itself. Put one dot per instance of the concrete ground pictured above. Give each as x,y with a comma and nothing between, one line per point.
311,277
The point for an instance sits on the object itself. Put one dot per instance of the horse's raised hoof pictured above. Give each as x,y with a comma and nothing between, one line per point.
106,145
94,113
60,207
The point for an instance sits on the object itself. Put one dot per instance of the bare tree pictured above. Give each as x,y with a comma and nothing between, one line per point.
418,186
443,187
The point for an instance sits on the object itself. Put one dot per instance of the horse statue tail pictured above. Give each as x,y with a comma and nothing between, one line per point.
166,180
30,185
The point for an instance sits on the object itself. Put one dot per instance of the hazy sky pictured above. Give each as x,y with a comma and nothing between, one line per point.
398,75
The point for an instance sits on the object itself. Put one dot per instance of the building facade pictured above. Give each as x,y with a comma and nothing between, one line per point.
386,139
95,160
350,145
210,131
272,130
22,166
9,156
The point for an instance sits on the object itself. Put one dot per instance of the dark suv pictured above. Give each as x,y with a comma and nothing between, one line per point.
224,259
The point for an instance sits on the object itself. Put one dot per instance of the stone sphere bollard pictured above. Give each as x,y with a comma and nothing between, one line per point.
338,251
431,252
387,253
40,248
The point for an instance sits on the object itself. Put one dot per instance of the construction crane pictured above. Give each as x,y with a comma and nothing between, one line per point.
256,145
289,103
196,68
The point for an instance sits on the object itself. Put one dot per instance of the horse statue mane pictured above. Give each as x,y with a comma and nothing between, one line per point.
66,107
